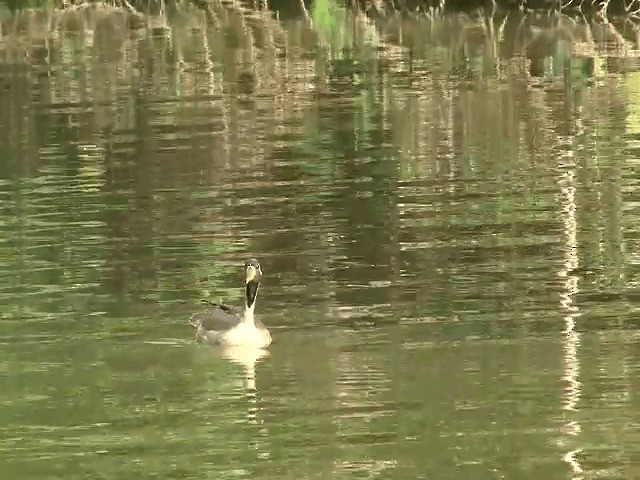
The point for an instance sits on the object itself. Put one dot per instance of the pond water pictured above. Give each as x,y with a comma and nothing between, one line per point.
445,212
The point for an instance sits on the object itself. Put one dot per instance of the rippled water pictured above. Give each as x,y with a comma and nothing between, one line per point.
447,223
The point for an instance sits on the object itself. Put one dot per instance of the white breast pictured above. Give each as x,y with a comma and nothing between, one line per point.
246,334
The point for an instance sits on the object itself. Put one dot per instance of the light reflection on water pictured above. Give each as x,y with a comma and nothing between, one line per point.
448,240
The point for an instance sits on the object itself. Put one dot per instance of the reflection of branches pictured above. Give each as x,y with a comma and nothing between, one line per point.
130,7
377,7
569,4
568,308
304,9
632,8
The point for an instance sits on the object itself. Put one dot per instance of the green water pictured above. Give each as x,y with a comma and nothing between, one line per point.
445,215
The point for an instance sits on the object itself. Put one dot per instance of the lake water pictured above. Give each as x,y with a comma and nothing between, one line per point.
444,207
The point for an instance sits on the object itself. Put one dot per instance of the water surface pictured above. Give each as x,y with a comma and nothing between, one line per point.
445,214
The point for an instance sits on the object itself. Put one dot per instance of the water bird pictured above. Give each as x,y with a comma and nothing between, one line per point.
225,325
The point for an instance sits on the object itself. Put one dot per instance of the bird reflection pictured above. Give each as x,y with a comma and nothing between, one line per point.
247,356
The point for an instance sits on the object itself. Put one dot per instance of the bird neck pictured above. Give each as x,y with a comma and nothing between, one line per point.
250,297
249,307
247,316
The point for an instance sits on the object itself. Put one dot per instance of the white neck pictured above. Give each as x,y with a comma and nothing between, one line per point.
247,316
